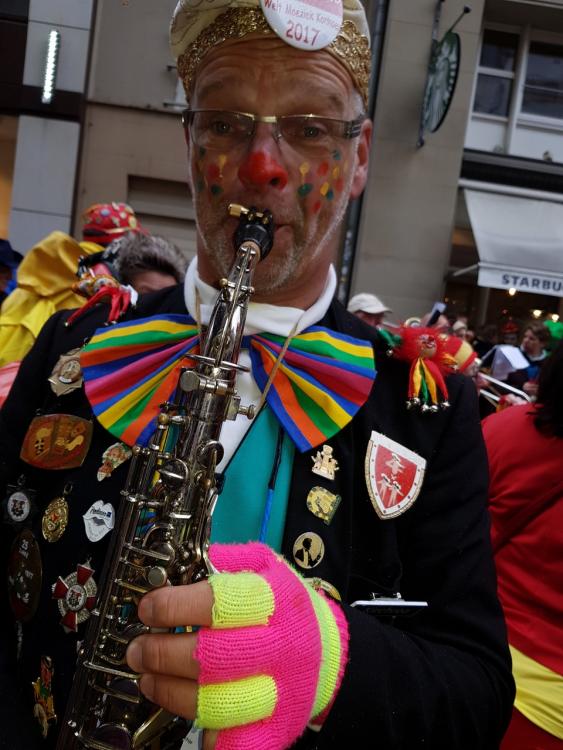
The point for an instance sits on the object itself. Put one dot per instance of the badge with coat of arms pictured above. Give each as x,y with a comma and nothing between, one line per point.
394,475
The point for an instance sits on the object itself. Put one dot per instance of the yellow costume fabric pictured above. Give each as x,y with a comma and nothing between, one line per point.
45,277
539,693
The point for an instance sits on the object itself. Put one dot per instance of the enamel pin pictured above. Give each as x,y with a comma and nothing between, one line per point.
99,519
67,373
113,457
394,475
57,441
324,464
25,574
308,550
18,506
76,596
44,708
323,503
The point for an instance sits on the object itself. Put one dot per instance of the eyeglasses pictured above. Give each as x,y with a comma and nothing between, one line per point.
220,130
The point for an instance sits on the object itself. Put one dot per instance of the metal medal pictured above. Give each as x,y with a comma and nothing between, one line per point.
18,507
76,596
25,575
55,517
308,550
394,475
44,708
57,441
323,503
67,373
324,464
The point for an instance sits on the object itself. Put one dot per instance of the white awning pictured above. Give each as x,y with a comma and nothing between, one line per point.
519,240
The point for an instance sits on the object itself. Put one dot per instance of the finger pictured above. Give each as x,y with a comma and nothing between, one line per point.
177,606
172,693
164,653
209,739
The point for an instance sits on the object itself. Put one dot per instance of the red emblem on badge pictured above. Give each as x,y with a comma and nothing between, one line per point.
394,475
77,596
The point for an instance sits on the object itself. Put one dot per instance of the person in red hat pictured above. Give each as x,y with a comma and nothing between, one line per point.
105,222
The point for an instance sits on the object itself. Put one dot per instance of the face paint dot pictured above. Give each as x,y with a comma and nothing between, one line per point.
323,169
213,172
324,188
336,155
304,168
304,189
216,189
221,161
316,207
330,194
336,173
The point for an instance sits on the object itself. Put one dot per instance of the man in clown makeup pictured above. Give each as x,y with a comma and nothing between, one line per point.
338,616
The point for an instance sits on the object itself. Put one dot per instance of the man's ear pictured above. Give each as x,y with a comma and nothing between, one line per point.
362,160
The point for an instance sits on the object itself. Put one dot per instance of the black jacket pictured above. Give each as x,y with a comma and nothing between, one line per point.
435,680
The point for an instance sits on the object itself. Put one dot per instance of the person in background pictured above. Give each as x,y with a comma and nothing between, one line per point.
148,263
487,337
9,261
535,339
525,449
105,222
509,333
368,308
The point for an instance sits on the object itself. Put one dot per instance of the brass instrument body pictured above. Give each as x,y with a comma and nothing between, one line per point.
163,528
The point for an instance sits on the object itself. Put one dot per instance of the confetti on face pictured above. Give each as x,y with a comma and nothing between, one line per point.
305,187
323,168
221,161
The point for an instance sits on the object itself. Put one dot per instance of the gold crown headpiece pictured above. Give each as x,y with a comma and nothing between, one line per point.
350,47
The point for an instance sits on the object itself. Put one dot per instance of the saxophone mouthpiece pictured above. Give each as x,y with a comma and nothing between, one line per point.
254,226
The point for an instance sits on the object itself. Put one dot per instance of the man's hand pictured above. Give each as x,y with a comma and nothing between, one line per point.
166,660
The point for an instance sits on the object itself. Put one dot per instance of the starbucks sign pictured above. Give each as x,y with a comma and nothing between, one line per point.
442,79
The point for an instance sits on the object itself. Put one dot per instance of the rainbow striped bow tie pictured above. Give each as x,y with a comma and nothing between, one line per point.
133,367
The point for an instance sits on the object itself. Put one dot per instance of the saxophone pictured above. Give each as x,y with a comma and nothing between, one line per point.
164,523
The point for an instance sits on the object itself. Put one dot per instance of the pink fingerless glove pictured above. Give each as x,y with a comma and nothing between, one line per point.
273,659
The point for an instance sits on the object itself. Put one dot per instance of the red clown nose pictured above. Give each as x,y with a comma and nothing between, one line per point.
260,170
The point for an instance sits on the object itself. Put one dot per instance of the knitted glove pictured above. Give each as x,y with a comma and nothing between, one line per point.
273,659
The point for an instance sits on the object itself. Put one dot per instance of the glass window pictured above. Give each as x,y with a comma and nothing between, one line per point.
493,95
543,89
499,50
494,89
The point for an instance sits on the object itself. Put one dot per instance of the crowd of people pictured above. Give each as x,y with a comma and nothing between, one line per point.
352,595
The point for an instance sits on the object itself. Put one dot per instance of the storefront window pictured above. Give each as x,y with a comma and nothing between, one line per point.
496,73
543,89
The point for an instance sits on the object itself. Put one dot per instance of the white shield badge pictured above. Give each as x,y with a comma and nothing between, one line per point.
394,475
